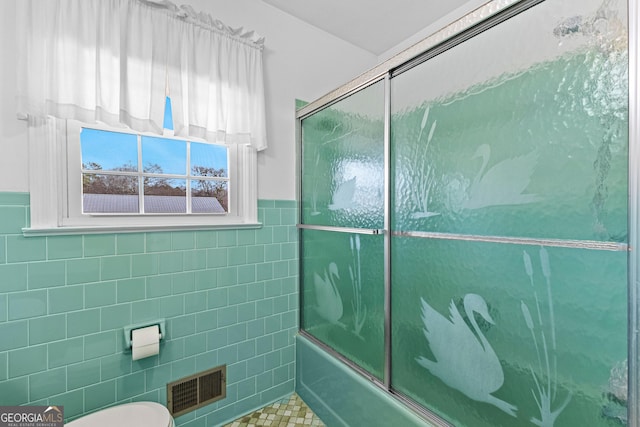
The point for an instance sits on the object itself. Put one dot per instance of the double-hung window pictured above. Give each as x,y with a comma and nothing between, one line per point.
118,178
100,178
128,173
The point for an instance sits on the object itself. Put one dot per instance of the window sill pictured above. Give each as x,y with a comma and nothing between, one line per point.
75,230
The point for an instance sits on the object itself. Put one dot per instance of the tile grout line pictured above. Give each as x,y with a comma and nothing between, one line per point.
291,412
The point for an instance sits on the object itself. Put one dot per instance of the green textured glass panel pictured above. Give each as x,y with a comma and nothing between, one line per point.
483,330
343,162
343,294
493,138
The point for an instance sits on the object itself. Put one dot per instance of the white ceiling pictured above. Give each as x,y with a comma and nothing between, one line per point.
373,25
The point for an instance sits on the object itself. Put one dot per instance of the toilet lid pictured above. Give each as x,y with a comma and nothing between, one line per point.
136,414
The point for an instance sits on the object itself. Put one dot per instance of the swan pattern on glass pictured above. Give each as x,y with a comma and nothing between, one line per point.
328,300
355,272
502,184
464,358
343,195
422,172
546,375
329,303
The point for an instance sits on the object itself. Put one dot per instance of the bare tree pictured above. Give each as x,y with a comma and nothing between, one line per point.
96,183
208,187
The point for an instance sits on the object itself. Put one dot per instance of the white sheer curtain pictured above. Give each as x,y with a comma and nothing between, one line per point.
114,61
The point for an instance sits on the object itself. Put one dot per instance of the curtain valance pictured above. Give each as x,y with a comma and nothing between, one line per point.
114,61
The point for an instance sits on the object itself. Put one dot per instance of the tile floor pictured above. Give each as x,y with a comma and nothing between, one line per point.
291,412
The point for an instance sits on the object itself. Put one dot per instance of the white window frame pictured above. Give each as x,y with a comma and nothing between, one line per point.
55,185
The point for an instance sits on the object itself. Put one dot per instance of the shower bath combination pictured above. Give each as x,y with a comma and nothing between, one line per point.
464,220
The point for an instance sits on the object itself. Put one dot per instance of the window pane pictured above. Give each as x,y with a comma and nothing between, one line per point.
163,195
161,155
109,193
209,196
103,150
209,160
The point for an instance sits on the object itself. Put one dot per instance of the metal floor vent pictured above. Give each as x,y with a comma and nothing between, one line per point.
195,391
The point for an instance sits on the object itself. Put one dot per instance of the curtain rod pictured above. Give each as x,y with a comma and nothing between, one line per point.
188,13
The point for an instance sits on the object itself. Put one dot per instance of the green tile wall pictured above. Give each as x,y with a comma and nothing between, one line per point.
228,297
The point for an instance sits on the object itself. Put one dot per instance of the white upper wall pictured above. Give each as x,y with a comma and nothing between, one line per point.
300,62
453,16
13,139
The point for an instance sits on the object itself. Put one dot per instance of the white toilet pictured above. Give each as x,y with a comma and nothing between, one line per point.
136,414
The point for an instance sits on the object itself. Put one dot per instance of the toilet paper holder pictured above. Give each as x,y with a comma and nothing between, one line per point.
129,329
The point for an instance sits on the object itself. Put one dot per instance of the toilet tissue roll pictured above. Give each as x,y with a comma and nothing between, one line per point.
145,342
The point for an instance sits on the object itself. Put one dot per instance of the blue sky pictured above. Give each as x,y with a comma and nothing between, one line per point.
114,149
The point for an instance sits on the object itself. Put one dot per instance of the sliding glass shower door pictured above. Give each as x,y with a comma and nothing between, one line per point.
504,249
510,194
342,208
